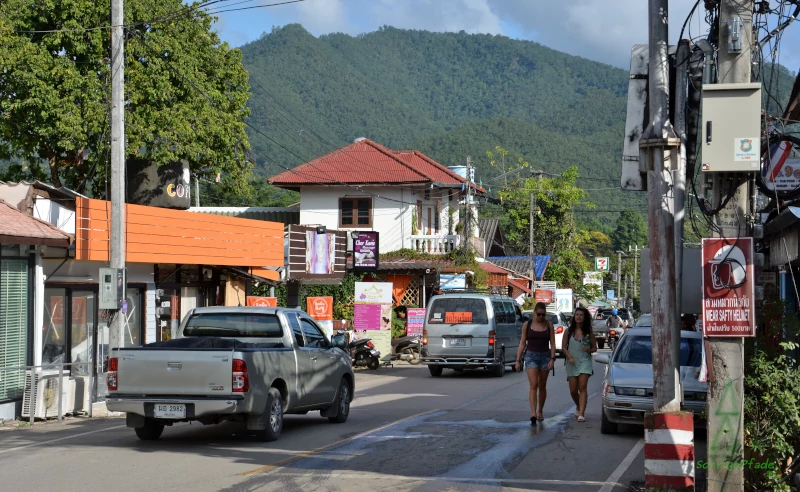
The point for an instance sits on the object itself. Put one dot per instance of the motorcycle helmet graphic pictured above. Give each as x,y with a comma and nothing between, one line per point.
728,268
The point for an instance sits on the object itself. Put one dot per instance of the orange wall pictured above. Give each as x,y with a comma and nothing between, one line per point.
161,235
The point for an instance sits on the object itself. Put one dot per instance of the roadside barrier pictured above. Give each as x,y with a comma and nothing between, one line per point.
669,450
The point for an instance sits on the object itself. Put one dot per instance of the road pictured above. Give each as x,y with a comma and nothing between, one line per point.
407,431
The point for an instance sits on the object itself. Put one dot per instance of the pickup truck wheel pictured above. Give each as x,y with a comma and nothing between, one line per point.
151,431
435,371
273,417
607,426
342,403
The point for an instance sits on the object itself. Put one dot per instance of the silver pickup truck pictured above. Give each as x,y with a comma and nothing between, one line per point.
233,363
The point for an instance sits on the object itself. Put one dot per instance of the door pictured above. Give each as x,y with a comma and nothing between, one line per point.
323,362
305,368
517,336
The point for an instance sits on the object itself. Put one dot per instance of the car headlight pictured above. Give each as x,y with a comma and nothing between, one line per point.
630,391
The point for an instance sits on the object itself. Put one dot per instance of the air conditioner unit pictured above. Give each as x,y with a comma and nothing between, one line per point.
47,394
80,385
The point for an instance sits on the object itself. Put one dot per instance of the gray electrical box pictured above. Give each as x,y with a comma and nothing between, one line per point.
112,288
731,127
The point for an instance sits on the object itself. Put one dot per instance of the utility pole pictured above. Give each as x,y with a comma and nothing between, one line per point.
726,421
197,191
117,247
538,174
679,175
468,210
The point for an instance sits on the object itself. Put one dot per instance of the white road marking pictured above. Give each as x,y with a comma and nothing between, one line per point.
385,398
611,481
60,439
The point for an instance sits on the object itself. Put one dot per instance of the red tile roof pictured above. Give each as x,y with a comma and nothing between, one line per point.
367,162
519,286
492,268
18,228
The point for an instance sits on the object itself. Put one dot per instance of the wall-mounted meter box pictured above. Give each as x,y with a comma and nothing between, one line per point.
731,127
112,288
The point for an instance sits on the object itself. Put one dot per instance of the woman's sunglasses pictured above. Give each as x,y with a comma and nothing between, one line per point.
540,314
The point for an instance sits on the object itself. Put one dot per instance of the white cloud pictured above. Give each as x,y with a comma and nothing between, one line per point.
473,16
324,16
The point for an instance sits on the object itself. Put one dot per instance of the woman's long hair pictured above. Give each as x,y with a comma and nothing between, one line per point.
586,326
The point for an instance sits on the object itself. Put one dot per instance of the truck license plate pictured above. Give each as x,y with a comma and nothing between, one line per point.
457,341
169,411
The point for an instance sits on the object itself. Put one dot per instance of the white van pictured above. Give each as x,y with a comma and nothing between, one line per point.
465,331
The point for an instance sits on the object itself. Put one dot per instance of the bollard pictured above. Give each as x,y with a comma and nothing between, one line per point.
669,451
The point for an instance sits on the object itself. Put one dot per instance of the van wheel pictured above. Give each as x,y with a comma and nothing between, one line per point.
273,417
499,370
151,431
435,371
606,426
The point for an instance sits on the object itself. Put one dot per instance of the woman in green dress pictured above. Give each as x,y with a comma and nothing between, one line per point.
580,347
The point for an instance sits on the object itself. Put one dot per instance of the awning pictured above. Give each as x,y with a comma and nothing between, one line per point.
237,272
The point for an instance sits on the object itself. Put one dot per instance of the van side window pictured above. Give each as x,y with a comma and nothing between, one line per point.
499,312
517,311
510,318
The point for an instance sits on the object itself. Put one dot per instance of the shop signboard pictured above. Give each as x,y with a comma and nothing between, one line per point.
728,287
315,256
373,312
545,296
258,301
564,300
365,251
415,321
321,310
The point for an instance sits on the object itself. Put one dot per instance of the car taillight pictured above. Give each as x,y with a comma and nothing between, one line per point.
491,337
111,376
424,337
370,345
241,382
559,330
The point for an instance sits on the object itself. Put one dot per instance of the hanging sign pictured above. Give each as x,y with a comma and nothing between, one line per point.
365,251
257,301
601,264
728,287
320,308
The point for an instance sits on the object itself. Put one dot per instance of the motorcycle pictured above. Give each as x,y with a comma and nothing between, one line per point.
406,348
363,353
613,337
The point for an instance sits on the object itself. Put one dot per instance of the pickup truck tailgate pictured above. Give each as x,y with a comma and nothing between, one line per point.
174,372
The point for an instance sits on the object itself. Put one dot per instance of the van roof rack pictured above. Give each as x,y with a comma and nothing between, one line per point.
486,292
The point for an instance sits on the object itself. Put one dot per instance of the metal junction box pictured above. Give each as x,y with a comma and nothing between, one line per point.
112,288
731,127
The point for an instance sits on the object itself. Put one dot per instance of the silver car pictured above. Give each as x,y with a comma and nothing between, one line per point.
644,321
628,382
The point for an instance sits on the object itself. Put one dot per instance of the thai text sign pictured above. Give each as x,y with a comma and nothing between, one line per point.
728,292
257,301
457,317
415,321
320,308
365,251
545,296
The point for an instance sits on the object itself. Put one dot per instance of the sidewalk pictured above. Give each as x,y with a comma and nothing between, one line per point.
99,412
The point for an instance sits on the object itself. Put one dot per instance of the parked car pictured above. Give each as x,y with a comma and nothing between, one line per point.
466,330
233,363
560,325
628,381
644,321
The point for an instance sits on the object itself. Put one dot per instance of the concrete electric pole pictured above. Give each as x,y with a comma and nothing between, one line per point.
726,424
117,247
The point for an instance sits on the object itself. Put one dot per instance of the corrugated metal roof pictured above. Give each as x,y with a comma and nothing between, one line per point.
522,264
286,215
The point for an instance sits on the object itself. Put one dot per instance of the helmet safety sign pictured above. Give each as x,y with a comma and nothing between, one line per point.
728,292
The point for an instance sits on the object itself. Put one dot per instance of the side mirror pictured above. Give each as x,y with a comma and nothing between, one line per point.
339,341
601,358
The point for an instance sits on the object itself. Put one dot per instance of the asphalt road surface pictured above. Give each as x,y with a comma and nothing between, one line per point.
407,432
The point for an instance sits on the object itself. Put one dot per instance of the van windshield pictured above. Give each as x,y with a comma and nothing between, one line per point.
455,310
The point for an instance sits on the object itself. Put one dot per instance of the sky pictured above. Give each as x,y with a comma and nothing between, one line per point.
600,30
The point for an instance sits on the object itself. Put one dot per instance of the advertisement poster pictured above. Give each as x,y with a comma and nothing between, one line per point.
781,169
321,309
367,317
365,251
595,278
545,296
320,253
564,300
415,320
256,301
728,287
452,281
374,299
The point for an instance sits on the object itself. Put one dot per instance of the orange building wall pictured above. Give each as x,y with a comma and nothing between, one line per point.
160,235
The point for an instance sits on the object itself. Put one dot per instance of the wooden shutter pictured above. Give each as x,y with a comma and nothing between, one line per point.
13,325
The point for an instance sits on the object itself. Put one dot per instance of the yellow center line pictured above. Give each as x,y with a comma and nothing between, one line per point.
328,446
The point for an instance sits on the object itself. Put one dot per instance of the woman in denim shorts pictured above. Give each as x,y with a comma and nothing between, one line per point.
539,343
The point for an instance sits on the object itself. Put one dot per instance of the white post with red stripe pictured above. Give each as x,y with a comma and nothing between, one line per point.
669,451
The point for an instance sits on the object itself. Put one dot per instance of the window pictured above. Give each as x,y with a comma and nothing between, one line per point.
314,337
355,212
13,325
639,350
510,318
234,325
296,331
455,308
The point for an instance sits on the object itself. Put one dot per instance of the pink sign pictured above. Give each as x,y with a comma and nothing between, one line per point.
416,320
367,317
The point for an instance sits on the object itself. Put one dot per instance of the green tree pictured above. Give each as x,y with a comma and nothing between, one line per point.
631,231
595,244
186,91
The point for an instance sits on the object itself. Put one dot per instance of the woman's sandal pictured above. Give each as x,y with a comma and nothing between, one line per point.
533,420
540,418
581,419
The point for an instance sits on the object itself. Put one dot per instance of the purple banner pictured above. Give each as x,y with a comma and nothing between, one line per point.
416,320
365,251
367,317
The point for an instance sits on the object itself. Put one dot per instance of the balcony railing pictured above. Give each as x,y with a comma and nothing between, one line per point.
435,245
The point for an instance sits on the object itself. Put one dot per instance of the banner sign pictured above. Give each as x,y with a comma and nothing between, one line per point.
728,287
320,253
373,293
415,320
564,300
256,301
610,295
320,308
365,251
595,278
373,311
452,281
545,296
601,264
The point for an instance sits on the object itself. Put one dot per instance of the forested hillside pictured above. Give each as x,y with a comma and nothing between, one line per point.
447,94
